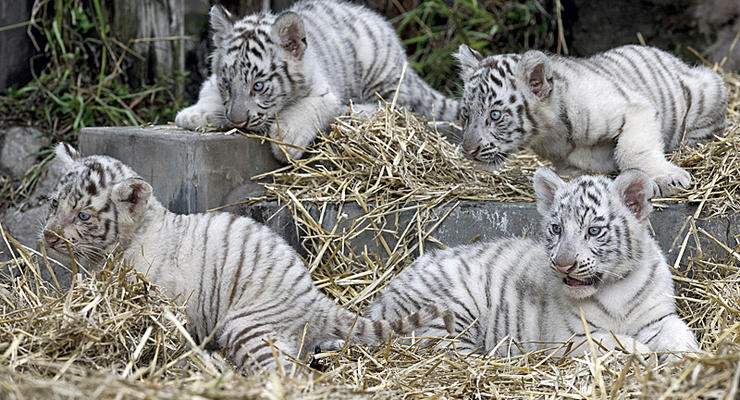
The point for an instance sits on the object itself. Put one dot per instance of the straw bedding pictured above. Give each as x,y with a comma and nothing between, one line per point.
115,336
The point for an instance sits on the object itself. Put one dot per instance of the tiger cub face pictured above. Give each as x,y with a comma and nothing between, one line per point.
594,226
499,94
257,62
95,207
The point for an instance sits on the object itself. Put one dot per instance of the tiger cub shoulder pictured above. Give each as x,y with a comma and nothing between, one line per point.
620,109
597,255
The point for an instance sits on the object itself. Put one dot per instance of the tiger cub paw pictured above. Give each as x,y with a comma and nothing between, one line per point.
639,348
201,118
292,137
365,110
671,182
283,152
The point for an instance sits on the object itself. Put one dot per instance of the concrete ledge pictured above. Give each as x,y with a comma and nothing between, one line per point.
491,220
190,172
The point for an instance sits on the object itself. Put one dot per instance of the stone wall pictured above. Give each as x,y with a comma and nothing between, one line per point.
708,26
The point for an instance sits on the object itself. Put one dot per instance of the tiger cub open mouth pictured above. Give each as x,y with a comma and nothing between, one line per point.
575,282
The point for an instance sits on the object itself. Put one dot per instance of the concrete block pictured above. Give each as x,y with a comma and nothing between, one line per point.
190,172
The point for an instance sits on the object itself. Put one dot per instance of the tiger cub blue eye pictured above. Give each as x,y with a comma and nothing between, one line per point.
556,229
258,86
594,230
495,115
54,203
83,216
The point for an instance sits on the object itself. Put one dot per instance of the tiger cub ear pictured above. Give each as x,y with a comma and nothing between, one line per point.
546,183
133,193
222,23
535,71
66,154
468,59
634,188
291,36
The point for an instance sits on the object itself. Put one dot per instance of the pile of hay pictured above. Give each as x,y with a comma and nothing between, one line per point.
115,336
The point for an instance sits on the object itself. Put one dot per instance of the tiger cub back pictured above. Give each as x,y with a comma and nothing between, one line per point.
289,74
597,256
620,109
243,281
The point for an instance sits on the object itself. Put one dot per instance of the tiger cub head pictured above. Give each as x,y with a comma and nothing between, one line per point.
499,95
95,207
258,64
595,227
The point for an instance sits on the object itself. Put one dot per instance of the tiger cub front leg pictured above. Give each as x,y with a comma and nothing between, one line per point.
208,112
640,145
669,333
255,346
299,123
615,341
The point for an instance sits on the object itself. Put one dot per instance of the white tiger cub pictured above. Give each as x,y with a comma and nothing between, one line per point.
597,256
620,109
242,279
290,74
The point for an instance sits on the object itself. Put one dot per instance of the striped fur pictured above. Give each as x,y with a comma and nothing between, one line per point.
302,67
597,256
616,110
242,279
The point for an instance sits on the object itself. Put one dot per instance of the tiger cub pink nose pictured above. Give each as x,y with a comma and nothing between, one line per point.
565,268
473,150
50,237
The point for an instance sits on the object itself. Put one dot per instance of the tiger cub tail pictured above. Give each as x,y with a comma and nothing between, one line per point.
369,331
425,100
706,114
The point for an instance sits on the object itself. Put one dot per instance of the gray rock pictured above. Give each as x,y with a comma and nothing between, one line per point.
19,148
25,221
46,184
24,225
720,20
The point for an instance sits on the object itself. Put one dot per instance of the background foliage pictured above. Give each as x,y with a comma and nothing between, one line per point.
81,76
436,28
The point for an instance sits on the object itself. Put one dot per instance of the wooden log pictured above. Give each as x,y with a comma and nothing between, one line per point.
154,29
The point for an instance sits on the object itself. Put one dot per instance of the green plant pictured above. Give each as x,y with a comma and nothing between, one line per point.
436,28
84,81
